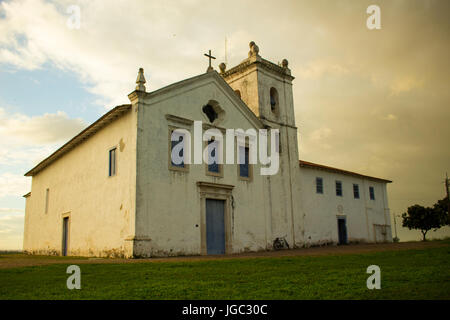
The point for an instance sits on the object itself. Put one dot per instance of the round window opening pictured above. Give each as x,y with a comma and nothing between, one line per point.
213,112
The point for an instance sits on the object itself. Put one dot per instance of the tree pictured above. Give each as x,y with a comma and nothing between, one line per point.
443,205
426,218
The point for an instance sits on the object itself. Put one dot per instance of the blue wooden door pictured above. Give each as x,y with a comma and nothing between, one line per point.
215,226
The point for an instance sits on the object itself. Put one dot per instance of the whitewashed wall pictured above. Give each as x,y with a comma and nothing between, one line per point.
321,210
100,208
168,202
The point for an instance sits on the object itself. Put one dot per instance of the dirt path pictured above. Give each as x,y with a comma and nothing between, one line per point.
22,260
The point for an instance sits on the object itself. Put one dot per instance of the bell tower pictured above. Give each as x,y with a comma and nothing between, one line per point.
266,88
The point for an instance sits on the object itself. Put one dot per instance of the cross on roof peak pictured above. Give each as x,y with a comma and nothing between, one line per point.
210,68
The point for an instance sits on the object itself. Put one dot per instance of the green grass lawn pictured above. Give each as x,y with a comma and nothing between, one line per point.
405,274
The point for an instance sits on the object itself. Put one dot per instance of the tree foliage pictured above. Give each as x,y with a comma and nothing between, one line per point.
427,218
442,205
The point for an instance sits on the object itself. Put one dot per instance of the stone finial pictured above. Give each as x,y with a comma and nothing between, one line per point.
284,63
140,80
254,49
222,67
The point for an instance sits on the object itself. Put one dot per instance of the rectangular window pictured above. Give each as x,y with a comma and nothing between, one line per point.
339,188
112,162
213,149
278,142
177,150
356,191
47,194
372,193
319,185
244,166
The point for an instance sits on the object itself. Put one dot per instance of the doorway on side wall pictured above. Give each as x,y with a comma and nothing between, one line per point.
65,236
342,230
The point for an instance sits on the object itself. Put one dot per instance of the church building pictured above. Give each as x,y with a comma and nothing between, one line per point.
114,189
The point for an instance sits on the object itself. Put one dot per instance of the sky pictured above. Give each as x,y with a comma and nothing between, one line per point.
372,101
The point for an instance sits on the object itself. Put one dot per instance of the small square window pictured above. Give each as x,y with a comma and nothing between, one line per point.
356,191
339,188
372,193
319,185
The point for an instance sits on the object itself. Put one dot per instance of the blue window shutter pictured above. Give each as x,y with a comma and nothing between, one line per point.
174,143
214,167
244,168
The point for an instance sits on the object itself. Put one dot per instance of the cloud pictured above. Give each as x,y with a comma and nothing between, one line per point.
390,117
10,210
405,84
45,129
321,68
14,185
24,155
27,140
320,134
107,50
11,228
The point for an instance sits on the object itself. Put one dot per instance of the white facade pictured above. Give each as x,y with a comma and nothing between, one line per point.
151,208
100,208
366,220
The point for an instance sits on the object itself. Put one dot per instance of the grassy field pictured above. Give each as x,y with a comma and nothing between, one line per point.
405,274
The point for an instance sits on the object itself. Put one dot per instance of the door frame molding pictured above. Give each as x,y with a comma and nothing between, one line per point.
216,191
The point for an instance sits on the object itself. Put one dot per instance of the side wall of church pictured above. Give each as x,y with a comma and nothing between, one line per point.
366,220
100,208
170,203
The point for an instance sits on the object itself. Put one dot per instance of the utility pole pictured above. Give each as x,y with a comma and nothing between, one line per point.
395,225
396,239
447,187
226,53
